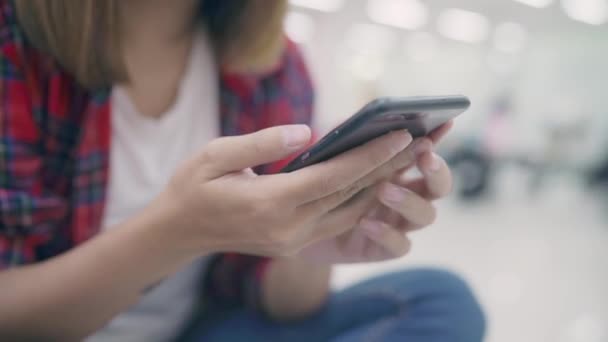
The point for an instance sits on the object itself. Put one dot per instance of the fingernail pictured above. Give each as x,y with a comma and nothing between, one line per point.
401,141
435,163
372,227
296,135
393,194
421,147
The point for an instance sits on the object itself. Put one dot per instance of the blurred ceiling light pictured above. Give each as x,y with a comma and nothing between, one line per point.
299,27
319,5
421,46
366,67
370,38
510,37
462,25
593,12
536,3
405,14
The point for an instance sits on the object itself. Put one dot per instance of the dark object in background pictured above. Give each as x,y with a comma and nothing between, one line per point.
472,170
599,176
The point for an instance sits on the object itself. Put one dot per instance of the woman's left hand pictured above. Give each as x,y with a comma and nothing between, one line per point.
403,205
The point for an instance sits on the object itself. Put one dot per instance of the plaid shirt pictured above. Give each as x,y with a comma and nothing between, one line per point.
55,145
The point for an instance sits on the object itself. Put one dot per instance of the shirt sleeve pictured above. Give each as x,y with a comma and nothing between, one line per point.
29,211
234,279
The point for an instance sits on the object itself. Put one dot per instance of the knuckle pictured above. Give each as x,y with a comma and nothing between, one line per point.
280,195
206,155
419,215
384,234
286,252
431,215
257,146
405,247
211,150
350,191
444,191
441,186
402,160
376,157
265,211
393,165
329,183
283,242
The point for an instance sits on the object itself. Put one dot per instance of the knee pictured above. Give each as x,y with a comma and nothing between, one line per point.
448,302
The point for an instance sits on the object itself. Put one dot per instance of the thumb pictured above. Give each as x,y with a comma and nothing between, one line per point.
229,154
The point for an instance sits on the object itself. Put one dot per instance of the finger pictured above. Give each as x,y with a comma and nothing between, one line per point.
389,239
229,154
433,184
352,244
382,213
437,175
440,132
420,146
346,217
433,138
405,158
391,217
335,175
411,206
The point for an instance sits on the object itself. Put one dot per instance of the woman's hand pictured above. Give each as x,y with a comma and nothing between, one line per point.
399,205
216,203
403,205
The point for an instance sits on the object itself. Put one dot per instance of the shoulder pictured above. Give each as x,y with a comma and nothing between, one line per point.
280,96
289,89
20,60
33,81
292,70
292,87
15,52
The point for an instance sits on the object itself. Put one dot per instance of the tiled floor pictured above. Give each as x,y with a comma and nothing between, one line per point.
539,264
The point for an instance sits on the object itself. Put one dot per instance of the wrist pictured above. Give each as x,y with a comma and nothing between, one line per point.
164,222
155,239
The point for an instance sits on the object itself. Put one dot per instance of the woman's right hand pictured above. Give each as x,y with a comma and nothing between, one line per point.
215,202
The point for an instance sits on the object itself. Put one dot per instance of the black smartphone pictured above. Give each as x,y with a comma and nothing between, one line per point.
418,115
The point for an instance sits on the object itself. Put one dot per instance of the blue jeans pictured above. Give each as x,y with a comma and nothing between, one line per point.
423,305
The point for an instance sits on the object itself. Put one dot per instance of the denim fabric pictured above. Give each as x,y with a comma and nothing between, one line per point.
422,305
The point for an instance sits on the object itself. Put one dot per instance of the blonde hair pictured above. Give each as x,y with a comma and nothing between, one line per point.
84,35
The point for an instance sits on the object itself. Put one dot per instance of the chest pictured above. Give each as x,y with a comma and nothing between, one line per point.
145,151
241,107
77,147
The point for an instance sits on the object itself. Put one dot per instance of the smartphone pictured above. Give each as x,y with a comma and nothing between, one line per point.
418,115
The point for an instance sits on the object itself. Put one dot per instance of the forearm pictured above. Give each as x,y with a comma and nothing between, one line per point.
70,296
294,288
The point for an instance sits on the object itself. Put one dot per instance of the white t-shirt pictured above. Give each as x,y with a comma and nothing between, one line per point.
144,154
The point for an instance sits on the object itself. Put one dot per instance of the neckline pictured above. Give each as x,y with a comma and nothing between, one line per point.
180,103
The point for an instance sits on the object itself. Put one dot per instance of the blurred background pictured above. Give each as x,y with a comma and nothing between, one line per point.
528,221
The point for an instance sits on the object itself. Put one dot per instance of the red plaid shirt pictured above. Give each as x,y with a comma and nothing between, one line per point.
55,145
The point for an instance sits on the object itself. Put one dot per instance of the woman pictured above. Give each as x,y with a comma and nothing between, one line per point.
118,202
